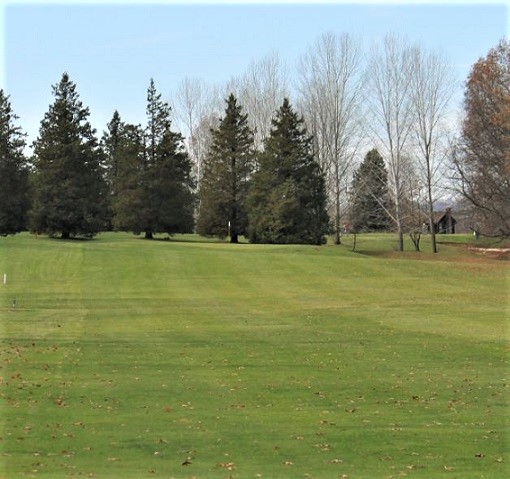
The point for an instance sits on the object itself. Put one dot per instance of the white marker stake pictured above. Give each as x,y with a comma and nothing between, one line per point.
5,278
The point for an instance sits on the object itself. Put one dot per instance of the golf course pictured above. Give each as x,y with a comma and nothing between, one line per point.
188,357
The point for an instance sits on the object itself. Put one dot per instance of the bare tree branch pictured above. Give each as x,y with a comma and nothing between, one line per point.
331,95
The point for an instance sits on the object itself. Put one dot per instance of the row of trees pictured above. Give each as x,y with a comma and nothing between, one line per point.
273,195
149,173
257,170
135,178
140,178
395,98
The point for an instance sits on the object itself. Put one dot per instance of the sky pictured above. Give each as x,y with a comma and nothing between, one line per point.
112,49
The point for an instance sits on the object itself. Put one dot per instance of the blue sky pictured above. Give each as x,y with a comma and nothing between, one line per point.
111,50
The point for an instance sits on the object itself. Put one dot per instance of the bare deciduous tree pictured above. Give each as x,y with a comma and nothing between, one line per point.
261,91
331,93
194,109
389,77
432,88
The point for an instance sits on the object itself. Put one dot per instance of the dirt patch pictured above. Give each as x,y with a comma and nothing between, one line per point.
496,253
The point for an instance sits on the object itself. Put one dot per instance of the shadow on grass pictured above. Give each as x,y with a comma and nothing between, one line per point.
190,238
71,239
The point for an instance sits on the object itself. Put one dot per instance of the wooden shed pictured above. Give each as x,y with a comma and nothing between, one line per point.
444,223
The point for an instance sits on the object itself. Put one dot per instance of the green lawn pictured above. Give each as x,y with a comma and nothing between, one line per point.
124,357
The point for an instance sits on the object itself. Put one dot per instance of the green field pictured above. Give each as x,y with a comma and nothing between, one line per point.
126,358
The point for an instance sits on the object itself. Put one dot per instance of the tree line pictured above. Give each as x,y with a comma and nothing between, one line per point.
263,168
140,179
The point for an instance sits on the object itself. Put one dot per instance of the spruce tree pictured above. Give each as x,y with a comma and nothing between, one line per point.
125,146
287,202
167,201
70,193
111,145
226,176
14,196
370,200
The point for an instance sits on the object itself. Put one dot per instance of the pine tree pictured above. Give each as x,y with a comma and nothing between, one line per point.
111,146
287,202
14,198
227,171
125,177
370,201
167,202
70,193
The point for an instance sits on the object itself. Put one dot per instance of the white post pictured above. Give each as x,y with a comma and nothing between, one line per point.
5,278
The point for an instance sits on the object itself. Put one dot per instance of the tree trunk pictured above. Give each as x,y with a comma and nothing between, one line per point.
432,226
415,237
338,239
149,235
233,213
432,229
400,227
400,239
65,235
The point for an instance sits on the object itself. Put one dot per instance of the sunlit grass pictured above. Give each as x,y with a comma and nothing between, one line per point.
128,358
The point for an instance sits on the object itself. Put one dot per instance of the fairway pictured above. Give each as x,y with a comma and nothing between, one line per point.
127,358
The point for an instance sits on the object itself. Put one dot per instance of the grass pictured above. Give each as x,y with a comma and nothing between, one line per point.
177,359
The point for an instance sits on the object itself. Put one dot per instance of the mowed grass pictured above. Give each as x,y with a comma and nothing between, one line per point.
126,358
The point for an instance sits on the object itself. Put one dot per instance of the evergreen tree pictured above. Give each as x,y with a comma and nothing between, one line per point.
167,202
370,201
226,175
126,189
111,145
14,198
287,202
70,193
